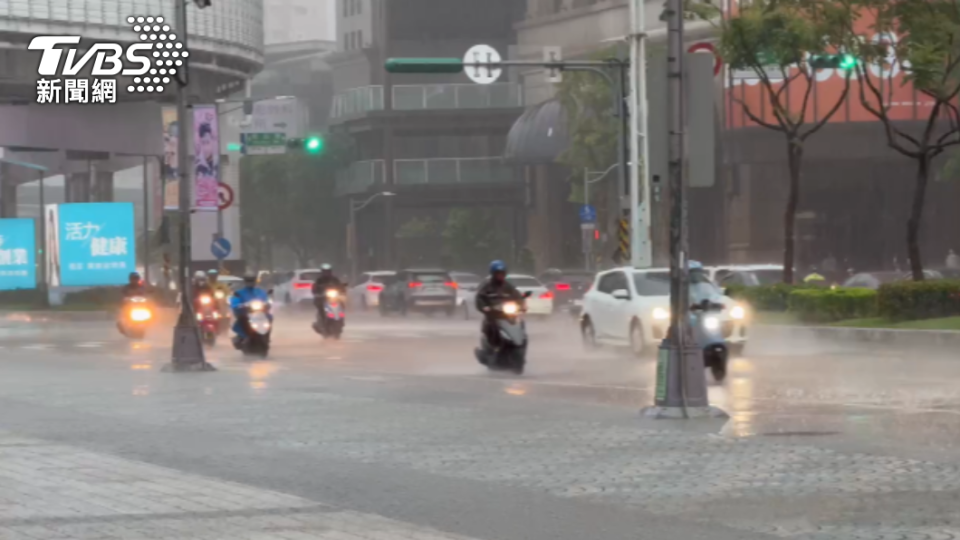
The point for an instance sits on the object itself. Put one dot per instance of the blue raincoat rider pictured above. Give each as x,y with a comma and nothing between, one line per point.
248,293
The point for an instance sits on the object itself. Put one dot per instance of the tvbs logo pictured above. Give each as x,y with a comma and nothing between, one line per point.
151,62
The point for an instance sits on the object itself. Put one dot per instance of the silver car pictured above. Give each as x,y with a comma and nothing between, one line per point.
425,290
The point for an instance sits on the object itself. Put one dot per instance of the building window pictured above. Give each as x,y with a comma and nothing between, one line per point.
359,39
359,7
346,7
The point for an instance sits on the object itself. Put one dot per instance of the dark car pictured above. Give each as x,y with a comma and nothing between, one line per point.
567,286
423,290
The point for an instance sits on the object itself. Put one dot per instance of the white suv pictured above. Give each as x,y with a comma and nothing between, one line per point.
626,306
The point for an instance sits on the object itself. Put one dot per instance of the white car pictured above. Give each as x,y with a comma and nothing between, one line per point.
365,293
626,306
540,302
763,274
299,289
467,285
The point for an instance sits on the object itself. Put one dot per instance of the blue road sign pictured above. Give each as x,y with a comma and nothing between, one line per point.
588,214
220,248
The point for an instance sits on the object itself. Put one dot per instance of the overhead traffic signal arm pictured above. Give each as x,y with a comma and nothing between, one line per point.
424,65
311,145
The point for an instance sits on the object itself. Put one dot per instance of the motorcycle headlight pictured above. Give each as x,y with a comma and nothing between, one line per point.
256,305
199,316
140,315
205,300
331,294
510,308
711,323
737,312
216,315
660,314
219,295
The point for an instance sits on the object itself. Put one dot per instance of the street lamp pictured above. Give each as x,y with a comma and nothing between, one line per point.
355,207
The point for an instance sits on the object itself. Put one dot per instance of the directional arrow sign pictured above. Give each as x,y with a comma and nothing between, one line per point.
220,248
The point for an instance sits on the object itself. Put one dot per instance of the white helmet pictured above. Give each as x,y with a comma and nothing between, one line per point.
200,276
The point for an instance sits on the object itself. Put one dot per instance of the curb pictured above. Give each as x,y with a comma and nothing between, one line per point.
41,316
878,336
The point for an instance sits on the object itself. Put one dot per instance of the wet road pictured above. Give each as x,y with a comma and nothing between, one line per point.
397,420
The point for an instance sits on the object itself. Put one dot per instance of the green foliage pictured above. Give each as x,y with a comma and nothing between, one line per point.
418,228
914,300
105,297
21,297
473,237
765,297
830,305
288,200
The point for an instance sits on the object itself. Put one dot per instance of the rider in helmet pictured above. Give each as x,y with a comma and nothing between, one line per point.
493,291
134,286
326,280
247,293
201,287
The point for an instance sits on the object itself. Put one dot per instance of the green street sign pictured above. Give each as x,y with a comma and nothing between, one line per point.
264,139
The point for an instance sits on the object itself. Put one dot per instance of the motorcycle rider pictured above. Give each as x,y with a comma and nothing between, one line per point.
222,293
326,280
201,287
134,286
493,291
248,293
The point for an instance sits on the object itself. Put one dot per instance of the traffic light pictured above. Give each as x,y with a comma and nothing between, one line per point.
311,145
424,65
844,62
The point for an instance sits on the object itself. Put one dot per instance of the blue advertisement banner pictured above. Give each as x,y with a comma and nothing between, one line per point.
97,244
18,263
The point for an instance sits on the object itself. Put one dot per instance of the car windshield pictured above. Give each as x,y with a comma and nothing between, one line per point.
386,280
308,276
431,277
523,281
658,283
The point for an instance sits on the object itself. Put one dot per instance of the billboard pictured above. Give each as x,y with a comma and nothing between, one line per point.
171,195
93,244
18,263
206,157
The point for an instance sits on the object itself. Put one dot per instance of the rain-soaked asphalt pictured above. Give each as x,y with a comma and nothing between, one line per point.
398,420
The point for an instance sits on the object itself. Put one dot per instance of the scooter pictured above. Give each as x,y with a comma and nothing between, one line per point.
209,318
135,317
511,354
330,320
223,308
255,320
708,335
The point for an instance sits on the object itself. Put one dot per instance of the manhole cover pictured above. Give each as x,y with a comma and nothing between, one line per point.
800,433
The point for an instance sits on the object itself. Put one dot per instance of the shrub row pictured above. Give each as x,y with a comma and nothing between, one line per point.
901,301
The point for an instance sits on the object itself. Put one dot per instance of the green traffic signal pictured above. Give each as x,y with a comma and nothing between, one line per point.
313,145
844,62
424,65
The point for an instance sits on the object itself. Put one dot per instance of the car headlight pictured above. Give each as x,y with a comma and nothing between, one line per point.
737,312
660,314
256,305
140,315
510,308
711,323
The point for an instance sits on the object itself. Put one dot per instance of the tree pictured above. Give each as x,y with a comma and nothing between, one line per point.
475,236
288,200
921,39
784,42
588,105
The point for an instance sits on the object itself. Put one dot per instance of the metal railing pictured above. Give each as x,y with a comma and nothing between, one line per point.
357,101
359,177
452,171
457,96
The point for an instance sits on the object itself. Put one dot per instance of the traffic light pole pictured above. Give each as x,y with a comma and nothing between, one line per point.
681,386
187,348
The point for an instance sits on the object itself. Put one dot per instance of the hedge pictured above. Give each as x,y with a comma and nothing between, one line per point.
20,298
915,300
766,297
830,305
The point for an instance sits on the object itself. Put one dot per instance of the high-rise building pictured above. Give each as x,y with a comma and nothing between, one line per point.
290,21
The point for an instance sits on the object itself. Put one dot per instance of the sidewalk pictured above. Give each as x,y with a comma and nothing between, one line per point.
52,492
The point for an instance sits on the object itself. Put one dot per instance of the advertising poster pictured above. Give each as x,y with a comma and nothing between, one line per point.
171,196
52,245
97,244
206,161
18,268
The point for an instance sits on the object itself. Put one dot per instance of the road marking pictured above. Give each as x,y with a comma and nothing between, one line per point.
37,347
91,345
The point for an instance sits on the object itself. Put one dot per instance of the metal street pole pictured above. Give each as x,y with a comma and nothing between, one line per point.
641,249
146,222
187,348
43,242
681,388
354,208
